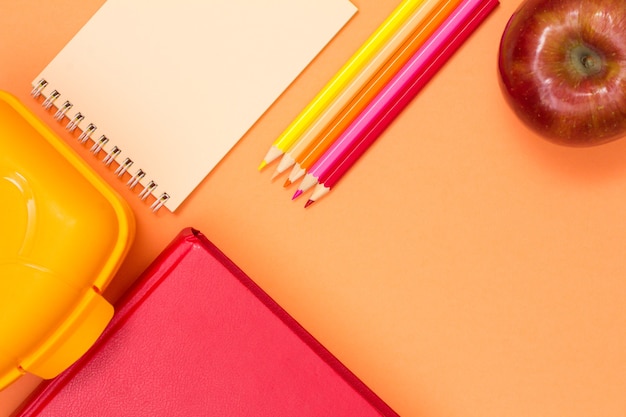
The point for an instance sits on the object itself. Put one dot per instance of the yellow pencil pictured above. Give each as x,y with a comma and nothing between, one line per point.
343,77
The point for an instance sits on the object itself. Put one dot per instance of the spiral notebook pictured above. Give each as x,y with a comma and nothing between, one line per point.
161,91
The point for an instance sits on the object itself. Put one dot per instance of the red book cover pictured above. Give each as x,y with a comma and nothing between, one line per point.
196,337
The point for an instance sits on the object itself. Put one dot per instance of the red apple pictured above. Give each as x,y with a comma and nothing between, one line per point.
563,68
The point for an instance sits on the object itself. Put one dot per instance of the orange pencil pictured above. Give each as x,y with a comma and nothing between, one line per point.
308,156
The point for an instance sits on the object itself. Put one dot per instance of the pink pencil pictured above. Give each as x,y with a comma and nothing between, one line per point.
395,96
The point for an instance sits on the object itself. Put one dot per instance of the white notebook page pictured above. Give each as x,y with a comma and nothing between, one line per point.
176,83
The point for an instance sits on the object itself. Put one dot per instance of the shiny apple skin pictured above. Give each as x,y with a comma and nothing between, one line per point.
549,87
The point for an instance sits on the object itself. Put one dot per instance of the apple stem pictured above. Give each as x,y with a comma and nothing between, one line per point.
586,60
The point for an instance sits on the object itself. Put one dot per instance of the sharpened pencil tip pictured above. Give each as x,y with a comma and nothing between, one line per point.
263,165
287,183
308,203
297,194
275,175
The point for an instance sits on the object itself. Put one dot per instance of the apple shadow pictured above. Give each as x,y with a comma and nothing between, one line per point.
593,164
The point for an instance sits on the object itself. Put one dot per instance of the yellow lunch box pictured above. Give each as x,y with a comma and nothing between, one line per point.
64,233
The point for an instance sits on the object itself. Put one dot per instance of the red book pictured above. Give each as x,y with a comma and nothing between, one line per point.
196,337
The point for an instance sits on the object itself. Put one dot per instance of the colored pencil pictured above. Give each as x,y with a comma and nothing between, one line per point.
349,70
378,72
405,86
438,11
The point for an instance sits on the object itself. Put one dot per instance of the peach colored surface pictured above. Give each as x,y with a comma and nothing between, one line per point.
464,268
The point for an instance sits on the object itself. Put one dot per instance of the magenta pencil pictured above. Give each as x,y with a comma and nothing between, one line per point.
404,87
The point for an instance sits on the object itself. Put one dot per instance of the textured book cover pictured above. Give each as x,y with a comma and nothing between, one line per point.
196,337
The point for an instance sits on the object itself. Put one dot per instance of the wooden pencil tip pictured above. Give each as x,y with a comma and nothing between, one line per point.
287,183
297,194
308,203
263,165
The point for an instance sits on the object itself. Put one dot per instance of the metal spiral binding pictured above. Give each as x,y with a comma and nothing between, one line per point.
159,202
49,102
121,170
134,180
148,190
73,124
37,89
60,114
113,153
98,145
86,134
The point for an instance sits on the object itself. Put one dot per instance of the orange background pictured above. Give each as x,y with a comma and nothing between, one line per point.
465,267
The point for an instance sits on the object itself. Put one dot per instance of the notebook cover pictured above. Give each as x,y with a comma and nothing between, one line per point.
175,84
196,336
